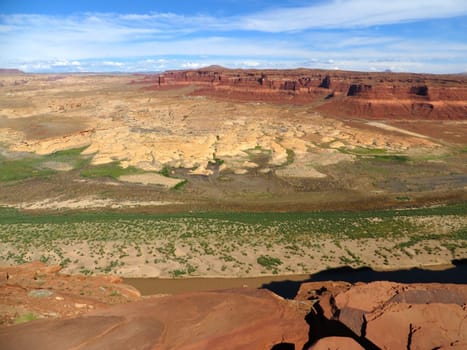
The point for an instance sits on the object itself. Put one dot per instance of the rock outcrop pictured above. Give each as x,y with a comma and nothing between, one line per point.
336,343
337,93
386,315
324,315
40,291
231,319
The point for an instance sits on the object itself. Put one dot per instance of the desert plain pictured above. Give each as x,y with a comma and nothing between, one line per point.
176,175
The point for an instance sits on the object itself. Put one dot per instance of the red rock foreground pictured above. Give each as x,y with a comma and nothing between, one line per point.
238,319
324,315
337,93
386,315
36,290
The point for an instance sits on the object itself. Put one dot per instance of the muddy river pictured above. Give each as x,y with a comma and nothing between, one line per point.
287,286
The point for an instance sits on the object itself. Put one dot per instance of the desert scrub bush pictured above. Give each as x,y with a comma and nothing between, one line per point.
269,262
190,269
165,171
178,273
180,185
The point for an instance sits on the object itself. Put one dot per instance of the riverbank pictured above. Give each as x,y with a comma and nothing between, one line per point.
288,285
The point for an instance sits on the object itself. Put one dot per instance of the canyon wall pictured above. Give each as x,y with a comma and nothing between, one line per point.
336,93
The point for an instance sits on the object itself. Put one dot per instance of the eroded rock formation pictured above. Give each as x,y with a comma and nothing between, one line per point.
338,93
386,315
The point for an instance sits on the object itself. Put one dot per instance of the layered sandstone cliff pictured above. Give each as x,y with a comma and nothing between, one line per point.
337,93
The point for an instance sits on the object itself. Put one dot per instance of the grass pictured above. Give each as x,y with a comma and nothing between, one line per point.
70,155
20,169
30,316
12,216
290,157
112,170
375,153
33,165
363,151
258,154
392,158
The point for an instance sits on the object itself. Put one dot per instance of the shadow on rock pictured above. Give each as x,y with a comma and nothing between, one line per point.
457,275
322,327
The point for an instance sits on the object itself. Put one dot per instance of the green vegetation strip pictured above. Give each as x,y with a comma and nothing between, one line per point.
225,235
11,215
336,224
375,154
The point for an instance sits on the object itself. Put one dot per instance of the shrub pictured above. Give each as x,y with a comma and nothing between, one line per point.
269,262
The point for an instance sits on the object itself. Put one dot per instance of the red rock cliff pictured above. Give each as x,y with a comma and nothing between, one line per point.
337,93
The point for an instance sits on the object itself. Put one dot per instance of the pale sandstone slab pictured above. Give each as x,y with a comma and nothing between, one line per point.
151,179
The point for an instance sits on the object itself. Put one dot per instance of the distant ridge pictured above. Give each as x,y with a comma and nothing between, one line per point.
213,67
10,71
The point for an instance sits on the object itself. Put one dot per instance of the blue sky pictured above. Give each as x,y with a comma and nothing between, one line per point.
105,35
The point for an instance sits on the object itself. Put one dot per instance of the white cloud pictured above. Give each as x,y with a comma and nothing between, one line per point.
352,13
192,65
35,67
64,63
112,64
251,64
